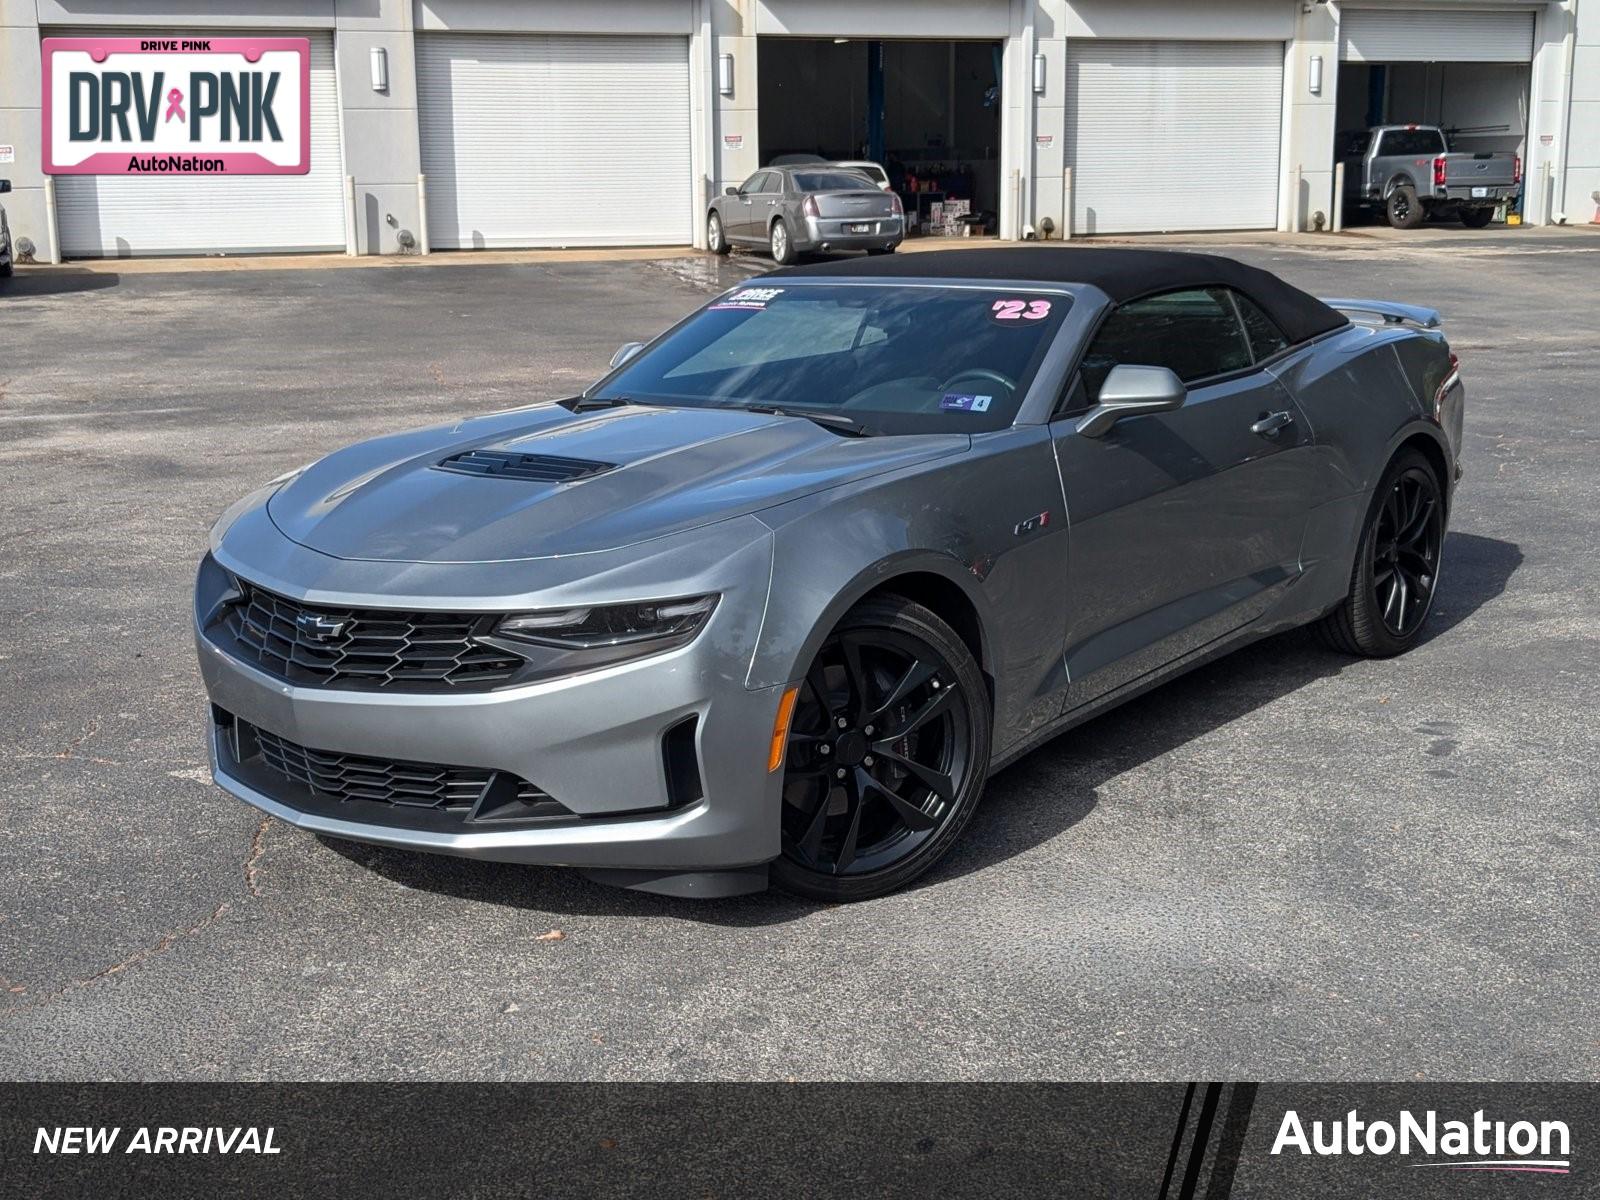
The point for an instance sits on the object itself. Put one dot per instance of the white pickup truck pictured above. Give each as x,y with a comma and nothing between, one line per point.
1408,172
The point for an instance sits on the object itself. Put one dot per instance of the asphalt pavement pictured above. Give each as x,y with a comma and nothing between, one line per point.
1287,865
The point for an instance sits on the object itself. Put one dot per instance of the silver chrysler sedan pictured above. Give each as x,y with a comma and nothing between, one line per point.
800,208
775,596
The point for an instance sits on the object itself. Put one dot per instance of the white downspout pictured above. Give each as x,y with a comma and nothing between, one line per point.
1564,150
704,99
1030,119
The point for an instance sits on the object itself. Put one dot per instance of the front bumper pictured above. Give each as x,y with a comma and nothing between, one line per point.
826,233
597,743
594,743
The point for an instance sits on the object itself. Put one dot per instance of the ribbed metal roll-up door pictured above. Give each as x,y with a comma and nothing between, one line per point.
1435,35
123,215
1173,135
555,140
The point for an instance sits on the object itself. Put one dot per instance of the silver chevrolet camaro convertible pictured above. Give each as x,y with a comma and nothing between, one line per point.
775,595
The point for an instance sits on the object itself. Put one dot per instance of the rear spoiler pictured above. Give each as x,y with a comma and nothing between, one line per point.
1386,312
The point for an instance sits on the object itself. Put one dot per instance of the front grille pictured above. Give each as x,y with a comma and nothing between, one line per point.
352,777
536,468
476,792
364,648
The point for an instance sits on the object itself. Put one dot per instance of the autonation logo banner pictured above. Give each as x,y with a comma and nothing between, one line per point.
1478,1144
177,106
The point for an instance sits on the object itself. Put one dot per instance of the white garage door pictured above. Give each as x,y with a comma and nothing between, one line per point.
547,140
122,215
1174,135
1435,35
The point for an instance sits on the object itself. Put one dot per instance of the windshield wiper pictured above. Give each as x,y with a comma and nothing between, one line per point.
846,425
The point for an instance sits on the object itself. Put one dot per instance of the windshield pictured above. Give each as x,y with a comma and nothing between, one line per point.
897,358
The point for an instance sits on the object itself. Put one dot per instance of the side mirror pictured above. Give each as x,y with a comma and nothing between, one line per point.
730,191
624,352
5,186
1130,391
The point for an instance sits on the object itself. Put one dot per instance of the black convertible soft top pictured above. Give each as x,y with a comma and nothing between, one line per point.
1120,274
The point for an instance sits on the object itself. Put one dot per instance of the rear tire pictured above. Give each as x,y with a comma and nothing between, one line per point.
866,813
716,239
8,269
1396,574
781,244
1476,218
885,250
1403,208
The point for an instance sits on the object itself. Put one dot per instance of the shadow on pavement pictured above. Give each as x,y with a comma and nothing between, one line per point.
56,281
1038,798
1476,570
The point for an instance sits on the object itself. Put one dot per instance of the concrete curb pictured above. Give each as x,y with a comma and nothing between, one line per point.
1377,238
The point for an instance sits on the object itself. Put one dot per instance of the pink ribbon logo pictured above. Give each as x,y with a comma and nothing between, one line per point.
175,105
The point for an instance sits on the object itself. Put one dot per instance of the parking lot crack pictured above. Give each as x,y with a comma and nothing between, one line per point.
157,948
252,862
251,871
143,955
90,728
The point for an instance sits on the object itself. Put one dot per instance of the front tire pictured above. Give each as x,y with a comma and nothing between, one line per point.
716,240
1396,573
864,813
1403,208
1476,218
781,244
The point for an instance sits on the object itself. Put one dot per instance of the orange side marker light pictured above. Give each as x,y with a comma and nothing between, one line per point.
780,729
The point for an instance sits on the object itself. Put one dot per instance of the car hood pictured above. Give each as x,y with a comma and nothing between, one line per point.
670,469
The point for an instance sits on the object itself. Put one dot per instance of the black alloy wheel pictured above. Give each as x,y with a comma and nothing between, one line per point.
1397,563
886,757
1406,549
1403,208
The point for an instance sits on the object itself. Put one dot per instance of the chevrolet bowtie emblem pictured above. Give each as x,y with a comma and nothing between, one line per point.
318,627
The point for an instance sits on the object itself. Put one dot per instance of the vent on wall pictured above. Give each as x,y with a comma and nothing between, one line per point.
537,468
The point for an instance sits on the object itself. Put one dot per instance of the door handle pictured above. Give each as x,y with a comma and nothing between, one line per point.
1269,425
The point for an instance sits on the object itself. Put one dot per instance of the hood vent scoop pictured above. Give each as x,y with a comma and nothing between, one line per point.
534,468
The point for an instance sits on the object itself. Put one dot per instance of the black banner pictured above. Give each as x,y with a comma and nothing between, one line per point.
662,1141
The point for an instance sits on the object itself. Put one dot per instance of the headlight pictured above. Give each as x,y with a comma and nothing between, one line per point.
645,628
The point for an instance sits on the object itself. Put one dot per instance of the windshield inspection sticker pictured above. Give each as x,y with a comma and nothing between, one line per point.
1019,310
960,402
749,298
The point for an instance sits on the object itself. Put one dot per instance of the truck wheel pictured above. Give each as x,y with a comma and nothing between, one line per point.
1404,210
1476,218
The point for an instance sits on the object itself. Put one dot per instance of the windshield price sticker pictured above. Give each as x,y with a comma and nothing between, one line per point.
1019,310
961,402
749,298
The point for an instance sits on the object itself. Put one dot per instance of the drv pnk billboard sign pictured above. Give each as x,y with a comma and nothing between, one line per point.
177,106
